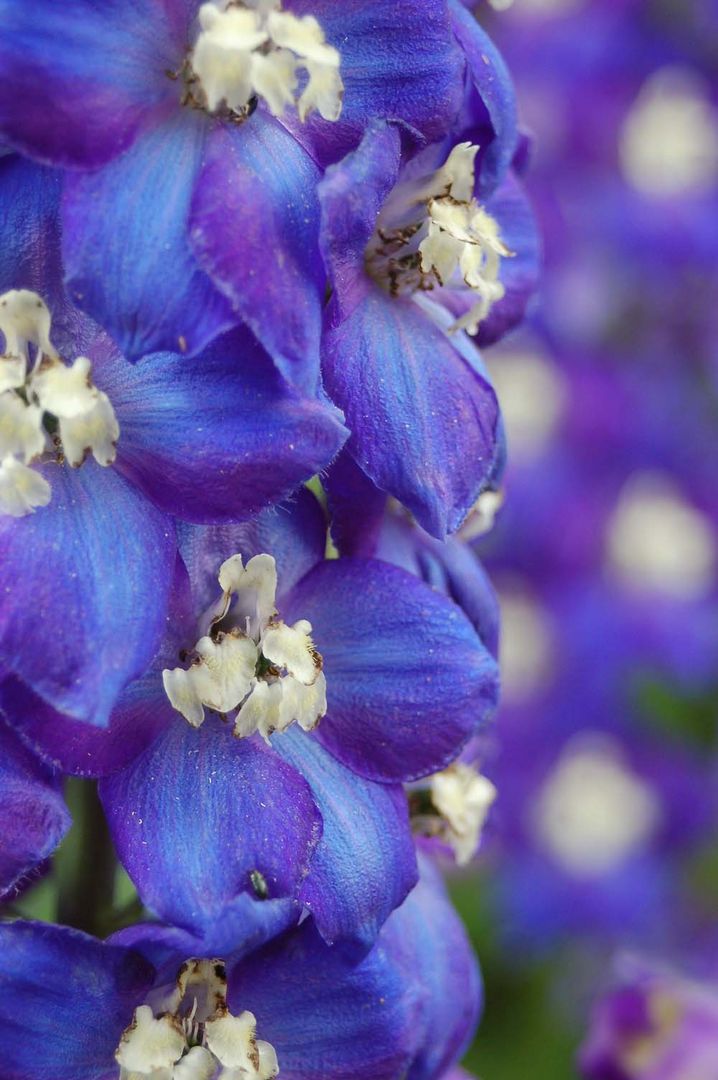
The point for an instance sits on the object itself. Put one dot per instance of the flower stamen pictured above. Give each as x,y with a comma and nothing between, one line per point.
250,663
49,411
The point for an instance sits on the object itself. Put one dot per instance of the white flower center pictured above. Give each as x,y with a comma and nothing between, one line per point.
462,797
188,1033
254,49
49,411
249,662
669,141
432,233
593,812
658,541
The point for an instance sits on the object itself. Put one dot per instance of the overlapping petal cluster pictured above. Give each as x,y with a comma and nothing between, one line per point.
241,245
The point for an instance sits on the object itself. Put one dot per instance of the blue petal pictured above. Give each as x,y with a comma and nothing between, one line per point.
408,680
326,1018
429,940
84,750
199,812
295,534
450,567
33,813
85,584
489,119
424,422
244,926
217,438
126,245
65,999
29,226
76,747
365,863
398,61
80,79
352,194
255,231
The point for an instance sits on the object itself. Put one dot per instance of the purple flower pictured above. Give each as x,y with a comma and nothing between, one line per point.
151,1003
86,578
655,1024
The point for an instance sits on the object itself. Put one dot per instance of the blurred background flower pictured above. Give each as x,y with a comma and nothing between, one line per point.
605,553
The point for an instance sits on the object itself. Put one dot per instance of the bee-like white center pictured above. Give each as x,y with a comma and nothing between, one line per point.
433,234
249,662
254,49
188,1033
669,141
593,812
49,410
658,541
462,797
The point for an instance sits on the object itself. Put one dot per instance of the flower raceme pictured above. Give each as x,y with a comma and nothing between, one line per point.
47,396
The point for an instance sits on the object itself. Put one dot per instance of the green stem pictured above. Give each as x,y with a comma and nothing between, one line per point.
85,864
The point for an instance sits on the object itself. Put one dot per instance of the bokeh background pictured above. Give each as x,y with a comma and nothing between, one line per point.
605,553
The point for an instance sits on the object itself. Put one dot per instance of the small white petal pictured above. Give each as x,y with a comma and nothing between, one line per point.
324,92
231,1040
13,371
291,648
454,218
64,391
149,1044
183,693
257,585
220,679
274,77
440,252
261,711
301,703
21,430
222,57
304,36
458,169
22,490
199,1064
96,430
268,1063
463,797
25,319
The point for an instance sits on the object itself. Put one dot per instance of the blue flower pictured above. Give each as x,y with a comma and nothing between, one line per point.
74,1008
200,210
86,578
414,258
404,682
